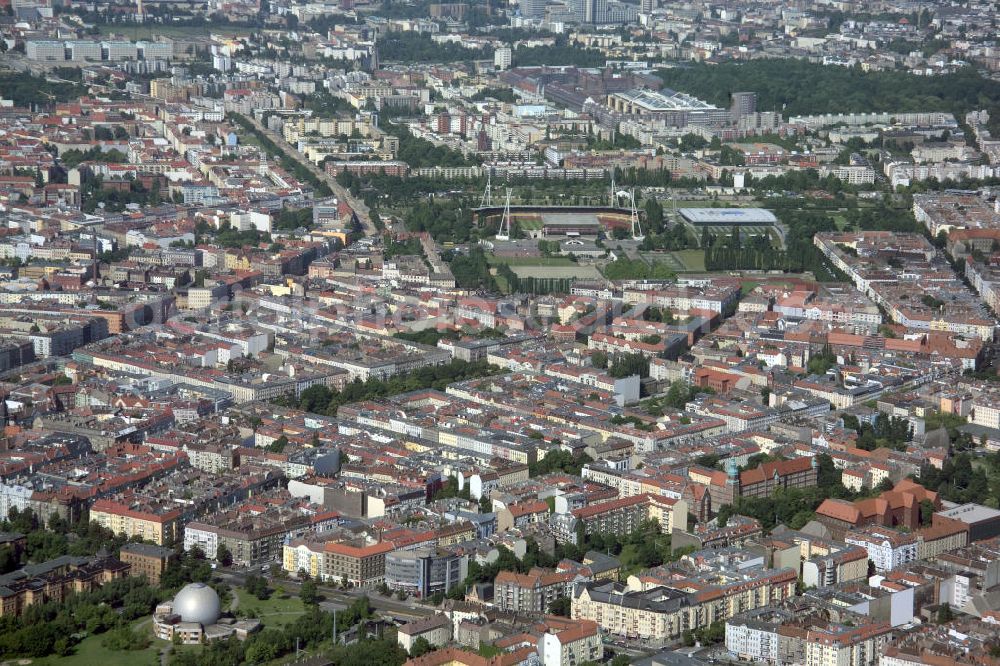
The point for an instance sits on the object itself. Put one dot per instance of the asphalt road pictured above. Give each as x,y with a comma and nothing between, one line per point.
342,193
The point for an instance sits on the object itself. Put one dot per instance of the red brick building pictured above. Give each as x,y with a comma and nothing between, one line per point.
897,507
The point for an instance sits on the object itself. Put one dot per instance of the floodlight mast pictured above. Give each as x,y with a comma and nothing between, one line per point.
503,233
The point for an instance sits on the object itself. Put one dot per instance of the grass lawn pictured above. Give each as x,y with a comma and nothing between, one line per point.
273,611
90,652
693,260
627,558
666,258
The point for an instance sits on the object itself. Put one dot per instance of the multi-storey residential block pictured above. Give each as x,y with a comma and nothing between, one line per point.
778,636
360,565
147,560
55,580
301,555
159,523
533,592
250,538
887,549
620,517
576,644
665,607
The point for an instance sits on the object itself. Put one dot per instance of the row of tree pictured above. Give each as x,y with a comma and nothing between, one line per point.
531,284
288,162
748,258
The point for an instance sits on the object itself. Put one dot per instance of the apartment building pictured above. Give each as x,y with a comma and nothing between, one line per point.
251,539
659,614
659,604
780,636
533,592
738,416
147,560
522,514
620,516
829,564
887,549
833,645
158,523
435,629
53,581
985,411
359,565
753,636
943,536
578,644
302,555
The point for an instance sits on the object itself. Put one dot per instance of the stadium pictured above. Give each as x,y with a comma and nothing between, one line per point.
728,217
559,221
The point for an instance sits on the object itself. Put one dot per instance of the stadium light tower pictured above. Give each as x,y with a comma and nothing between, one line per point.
504,232
487,199
636,227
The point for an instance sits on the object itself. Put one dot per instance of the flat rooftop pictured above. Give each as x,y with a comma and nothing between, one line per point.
728,215
668,100
971,513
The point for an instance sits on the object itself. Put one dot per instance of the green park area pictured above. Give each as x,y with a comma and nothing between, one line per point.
277,609
91,650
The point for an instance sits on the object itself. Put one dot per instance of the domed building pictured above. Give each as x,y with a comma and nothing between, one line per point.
195,616
199,603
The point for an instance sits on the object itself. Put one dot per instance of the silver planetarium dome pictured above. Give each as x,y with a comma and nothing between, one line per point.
197,602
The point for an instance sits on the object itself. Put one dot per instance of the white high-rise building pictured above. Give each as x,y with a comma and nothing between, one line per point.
502,58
